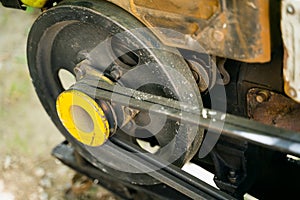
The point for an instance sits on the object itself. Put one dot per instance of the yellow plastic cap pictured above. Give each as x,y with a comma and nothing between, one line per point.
82,117
35,3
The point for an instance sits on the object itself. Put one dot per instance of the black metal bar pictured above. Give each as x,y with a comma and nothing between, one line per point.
171,176
66,154
237,127
181,178
138,160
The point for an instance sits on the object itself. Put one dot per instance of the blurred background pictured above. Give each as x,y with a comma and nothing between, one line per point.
27,135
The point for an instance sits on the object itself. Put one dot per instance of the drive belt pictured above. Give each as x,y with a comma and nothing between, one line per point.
232,126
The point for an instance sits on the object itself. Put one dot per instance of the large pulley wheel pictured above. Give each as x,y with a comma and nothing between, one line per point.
73,31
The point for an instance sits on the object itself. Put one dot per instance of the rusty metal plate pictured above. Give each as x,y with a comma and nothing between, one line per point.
236,29
273,109
202,9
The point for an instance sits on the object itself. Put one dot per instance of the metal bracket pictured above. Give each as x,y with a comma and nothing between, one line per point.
290,26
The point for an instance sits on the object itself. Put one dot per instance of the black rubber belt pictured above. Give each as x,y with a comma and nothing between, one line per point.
237,127
170,175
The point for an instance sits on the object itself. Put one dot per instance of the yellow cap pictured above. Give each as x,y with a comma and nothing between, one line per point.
82,117
35,3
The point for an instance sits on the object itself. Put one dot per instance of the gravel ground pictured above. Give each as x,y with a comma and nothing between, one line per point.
27,135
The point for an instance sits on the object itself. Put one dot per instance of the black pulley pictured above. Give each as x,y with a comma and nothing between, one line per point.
100,40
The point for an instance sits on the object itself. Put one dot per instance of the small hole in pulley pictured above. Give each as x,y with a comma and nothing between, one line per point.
126,56
66,78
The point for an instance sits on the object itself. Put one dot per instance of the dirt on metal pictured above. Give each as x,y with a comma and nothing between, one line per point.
273,109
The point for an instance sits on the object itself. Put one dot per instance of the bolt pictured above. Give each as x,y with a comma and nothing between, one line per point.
292,92
116,73
232,173
96,181
232,177
290,10
80,72
218,35
199,73
262,96
82,55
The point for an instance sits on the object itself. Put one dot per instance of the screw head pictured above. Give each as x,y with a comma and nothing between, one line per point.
262,96
79,72
292,92
116,72
290,9
82,55
232,173
232,176
218,35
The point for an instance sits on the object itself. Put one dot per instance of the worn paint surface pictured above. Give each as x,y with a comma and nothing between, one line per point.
94,135
273,109
227,28
290,26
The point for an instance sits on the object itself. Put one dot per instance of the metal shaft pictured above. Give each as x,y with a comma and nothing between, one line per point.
236,127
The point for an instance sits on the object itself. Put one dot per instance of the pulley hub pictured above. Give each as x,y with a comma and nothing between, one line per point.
83,117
